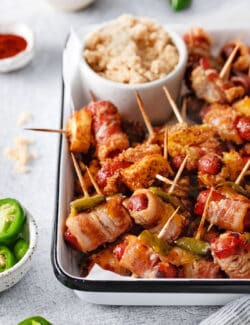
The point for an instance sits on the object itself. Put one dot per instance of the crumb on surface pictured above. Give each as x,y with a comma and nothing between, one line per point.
21,155
24,118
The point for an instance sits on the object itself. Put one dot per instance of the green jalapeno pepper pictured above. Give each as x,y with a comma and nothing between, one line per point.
86,203
237,188
12,219
159,246
193,245
7,259
167,197
20,248
35,320
178,5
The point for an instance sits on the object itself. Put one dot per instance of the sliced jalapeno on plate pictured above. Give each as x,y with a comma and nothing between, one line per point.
20,248
35,320
7,258
12,218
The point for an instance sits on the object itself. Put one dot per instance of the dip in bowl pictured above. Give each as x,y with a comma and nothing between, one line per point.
131,54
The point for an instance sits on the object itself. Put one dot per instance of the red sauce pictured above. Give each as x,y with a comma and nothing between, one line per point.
11,45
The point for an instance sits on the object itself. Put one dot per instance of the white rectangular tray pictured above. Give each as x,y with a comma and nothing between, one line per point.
103,287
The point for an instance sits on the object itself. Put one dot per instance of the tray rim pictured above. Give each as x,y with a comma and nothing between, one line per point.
220,286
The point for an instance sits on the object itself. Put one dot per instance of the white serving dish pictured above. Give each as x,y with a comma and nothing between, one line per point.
123,96
103,287
69,5
13,275
23,58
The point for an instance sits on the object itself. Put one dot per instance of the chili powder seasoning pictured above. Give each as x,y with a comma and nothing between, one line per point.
11,45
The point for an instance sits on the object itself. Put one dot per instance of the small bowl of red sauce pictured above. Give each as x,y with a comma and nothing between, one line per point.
16,46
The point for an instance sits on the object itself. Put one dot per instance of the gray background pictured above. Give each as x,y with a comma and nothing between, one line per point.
36,89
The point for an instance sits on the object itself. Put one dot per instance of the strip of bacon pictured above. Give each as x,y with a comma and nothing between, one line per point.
106,124
103,224
229,210
232,253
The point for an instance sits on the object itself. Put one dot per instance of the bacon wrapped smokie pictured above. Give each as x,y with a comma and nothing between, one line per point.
103,224
138,257
229,123
106,124
149,211
227,209
208,85
203,269
231,251
194,141
109,175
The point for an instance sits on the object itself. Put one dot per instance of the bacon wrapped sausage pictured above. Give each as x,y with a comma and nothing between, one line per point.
139,258
103,224
199,46
231,251
226,209
228,122
194,141
208,85
202,269
241,60
145,208
106,124
214,170
108,177
107,260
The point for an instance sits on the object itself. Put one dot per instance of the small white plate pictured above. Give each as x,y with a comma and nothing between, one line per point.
13,275
23,58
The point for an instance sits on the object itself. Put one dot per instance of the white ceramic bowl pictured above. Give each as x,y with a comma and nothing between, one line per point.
13,275
69,5
23,58
123,95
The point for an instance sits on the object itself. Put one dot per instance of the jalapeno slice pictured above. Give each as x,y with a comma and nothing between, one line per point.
166,197
12,218
20,248
7,258
86,203
159,246
193,245
35,320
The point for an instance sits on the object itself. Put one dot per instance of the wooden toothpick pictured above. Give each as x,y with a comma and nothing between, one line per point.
144,115
79,175
165,144
165,227
47,130
225,71
243,172
91,177
204,214
178,174
173,105
184,109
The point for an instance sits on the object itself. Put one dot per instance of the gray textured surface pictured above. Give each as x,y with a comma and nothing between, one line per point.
37,89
